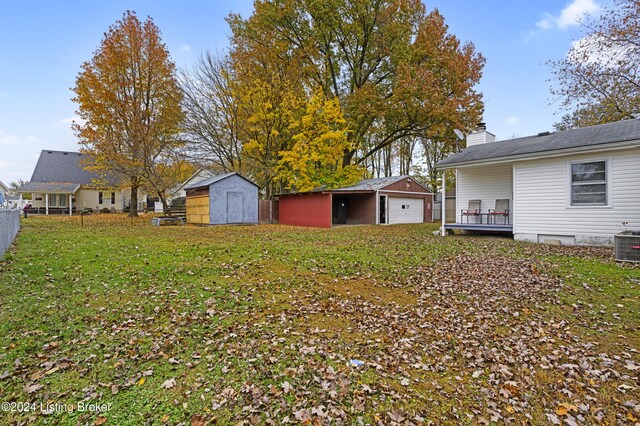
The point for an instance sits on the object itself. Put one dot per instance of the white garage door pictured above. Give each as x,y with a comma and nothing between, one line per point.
406,210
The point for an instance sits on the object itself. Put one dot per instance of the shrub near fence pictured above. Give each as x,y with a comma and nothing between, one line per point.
9,227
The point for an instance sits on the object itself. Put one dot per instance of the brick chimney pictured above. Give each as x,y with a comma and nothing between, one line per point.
480,135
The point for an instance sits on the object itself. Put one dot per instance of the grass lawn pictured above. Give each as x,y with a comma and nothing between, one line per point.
273,324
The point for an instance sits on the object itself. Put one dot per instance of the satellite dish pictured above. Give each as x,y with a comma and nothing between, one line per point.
458,133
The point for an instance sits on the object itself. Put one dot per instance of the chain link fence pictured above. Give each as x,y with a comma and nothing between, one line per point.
9,227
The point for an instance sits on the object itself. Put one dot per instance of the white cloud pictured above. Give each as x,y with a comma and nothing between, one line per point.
513,120
7,139
185,48
570,16
596,50
71,120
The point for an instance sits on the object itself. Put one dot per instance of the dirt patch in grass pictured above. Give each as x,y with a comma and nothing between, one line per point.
370,291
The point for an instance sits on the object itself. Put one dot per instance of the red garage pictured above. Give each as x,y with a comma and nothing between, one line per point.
388,200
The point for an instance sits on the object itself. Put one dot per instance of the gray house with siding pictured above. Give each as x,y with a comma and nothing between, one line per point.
223,199
579,186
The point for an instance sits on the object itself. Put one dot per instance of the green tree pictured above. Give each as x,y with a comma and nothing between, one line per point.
129,100
599,80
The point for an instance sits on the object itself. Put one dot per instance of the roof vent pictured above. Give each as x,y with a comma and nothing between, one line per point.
544,133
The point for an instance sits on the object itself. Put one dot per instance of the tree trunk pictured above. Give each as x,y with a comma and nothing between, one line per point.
133,207
165,206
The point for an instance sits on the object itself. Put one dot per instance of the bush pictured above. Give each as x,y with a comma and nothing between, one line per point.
105,210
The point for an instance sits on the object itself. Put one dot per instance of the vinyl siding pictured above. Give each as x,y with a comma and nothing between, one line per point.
484,183
542,198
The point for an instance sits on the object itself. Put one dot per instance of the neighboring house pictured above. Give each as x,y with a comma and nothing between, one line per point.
573,187
388,200
61,185
4,189
199,175
223,199
15,202
450,206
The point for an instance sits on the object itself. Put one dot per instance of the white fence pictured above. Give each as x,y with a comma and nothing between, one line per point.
9,227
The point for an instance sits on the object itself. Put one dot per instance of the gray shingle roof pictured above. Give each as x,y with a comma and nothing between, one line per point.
372,184
586,138
214,179
65,167
57,187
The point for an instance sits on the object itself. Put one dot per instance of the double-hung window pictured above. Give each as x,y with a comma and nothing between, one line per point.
589,183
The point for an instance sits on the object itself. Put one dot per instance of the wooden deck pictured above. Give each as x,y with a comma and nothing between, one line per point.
482,227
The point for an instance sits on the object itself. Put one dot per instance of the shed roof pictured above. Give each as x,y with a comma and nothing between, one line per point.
214,179
583,139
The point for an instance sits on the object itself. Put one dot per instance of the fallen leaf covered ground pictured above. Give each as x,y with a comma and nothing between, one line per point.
274,324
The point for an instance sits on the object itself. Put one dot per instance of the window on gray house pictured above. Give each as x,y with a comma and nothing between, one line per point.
589,184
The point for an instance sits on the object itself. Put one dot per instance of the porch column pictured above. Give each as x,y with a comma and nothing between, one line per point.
46,203
444,201
70,204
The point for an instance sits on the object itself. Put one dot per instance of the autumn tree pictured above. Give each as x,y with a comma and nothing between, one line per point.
166,174
319,140
599,80
394,68
129,103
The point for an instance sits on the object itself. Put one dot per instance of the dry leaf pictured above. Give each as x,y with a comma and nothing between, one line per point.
32,388
198,420
168,384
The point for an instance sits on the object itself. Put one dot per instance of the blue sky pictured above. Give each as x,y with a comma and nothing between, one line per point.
43,44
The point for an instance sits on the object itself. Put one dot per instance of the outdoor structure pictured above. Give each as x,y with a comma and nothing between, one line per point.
223,199
388,200
450,206
3,195
199,175
61,185
578,186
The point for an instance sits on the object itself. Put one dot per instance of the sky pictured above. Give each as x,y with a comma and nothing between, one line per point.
44,43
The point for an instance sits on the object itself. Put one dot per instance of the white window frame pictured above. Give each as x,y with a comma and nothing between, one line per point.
608,183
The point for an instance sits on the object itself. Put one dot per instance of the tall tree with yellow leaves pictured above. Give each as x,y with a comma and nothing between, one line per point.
129,103
319,140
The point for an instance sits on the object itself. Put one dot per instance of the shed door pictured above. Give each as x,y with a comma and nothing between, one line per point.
235,207
406,210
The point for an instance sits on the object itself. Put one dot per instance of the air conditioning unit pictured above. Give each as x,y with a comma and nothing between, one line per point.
628,246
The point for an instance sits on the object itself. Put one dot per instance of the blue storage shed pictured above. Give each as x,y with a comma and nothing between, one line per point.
222,199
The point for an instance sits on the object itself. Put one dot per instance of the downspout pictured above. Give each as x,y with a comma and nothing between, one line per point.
377,212
444,201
